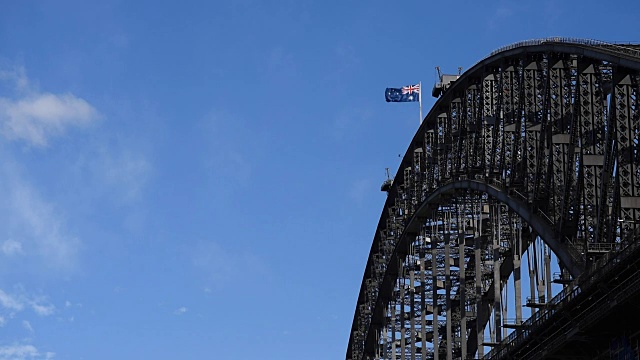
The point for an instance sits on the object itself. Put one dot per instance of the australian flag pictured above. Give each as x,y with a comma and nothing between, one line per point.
404,94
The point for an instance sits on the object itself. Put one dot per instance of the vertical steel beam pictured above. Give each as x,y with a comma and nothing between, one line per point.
517,275
462,289
447,283
393,329
434,286
547,267
497,286
423,296
477,213
412,305
403,330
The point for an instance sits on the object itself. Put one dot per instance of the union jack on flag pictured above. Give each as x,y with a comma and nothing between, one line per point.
411,89
403,94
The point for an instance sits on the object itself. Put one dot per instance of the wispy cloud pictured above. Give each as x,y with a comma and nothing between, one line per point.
36,226
27,326
122,170
11,247
41,224
10,302
181,311
17,77
221,266
39,238
23,352
20,299
34,117
38,117
42,307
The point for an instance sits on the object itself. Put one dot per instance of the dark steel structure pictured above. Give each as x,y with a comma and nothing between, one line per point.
530,156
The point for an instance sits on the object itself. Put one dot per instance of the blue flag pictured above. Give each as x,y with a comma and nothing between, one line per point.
404,94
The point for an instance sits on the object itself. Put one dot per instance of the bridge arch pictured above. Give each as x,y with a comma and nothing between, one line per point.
538,225
547,128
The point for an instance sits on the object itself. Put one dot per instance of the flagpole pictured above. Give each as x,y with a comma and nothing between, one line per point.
420,100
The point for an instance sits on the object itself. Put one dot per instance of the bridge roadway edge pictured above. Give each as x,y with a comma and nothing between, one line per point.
605,305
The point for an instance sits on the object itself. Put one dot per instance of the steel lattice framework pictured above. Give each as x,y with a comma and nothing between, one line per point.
531,154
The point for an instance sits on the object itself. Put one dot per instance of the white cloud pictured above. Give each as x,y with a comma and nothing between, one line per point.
42,307
17,302
11,247
3,321
181,311
27,326
10,302
41,224
44,241
23,352
36,116
118,169
17,76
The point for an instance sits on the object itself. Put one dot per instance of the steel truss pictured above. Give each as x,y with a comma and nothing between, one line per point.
533,151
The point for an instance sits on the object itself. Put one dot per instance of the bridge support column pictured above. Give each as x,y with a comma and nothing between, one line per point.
434,286
447,284
412,294
517,275
392,307
478,276
423,297
462,289
496,218
403,330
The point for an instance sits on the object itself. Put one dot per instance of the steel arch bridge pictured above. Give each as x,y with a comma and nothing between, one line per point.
530,155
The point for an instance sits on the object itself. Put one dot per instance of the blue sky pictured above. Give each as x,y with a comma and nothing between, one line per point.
201,179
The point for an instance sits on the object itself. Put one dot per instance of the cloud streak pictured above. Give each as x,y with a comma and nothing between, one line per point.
39,222
181,311
34,117
11,247
10,302
18,302
23,352
27,326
